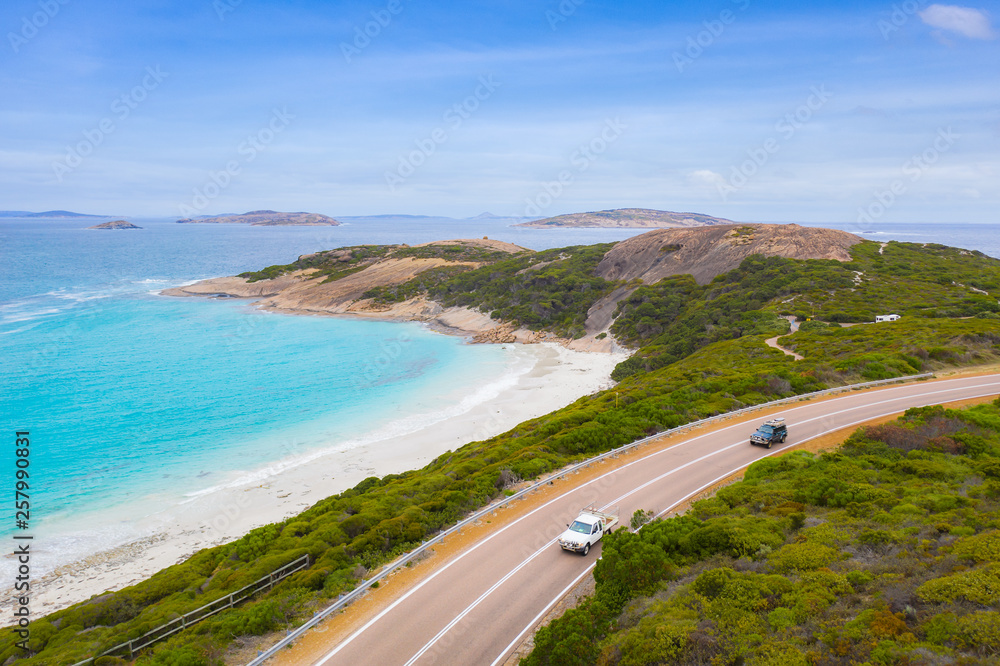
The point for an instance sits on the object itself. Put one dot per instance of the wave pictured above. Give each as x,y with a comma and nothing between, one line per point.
68,546
11,314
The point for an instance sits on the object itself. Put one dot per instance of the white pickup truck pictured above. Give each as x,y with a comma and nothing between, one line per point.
587,529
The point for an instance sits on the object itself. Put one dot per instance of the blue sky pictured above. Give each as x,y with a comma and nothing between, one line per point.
775,111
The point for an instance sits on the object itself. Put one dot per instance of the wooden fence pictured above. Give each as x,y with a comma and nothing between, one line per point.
131,647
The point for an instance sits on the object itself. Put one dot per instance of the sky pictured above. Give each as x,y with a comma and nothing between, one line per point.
868,112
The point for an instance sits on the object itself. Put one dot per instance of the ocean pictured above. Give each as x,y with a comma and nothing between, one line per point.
136,401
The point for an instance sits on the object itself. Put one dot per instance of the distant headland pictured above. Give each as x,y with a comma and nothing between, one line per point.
266,218
48,213
640,218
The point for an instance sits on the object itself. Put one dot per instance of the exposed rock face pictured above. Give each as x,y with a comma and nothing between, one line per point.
300,291
117,224
266,218
709,251
628,218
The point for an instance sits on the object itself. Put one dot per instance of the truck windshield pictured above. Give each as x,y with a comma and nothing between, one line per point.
582,528
767,430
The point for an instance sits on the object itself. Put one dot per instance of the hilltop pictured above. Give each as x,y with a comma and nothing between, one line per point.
705,252
640,218
266,218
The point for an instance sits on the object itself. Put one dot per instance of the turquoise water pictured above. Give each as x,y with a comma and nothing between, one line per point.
136,398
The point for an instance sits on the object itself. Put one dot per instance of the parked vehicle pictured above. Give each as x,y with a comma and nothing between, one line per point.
587,529
772,431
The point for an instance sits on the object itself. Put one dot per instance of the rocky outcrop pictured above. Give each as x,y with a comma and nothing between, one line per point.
637,218
117,224
266,218
709,251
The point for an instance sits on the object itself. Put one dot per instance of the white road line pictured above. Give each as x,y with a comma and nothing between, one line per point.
442,569
458,618
562,594
545,610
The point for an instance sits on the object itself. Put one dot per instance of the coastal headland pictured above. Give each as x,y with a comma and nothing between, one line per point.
397,282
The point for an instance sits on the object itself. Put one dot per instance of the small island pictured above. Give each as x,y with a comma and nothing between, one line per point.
116,224
624,218
266,218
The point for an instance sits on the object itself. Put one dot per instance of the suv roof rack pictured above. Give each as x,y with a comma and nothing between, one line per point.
775,422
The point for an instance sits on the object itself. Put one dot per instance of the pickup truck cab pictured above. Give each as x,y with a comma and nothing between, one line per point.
586,530
772,431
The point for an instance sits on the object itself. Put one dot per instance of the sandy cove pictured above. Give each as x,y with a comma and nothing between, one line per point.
561,372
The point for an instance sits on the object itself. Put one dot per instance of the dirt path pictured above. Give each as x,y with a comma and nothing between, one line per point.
773,342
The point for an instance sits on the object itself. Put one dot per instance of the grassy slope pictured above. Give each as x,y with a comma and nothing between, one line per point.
360,528
883,552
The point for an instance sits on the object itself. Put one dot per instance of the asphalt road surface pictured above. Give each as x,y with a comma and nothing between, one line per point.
477,608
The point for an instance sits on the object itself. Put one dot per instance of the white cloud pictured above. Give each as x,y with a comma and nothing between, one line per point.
971,23
706,177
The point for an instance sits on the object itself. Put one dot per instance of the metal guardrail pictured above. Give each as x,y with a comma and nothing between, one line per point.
403,560
131,647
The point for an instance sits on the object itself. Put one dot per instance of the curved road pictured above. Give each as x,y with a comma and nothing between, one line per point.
477,607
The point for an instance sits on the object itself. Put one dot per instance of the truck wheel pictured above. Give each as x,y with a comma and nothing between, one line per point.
586,549
783,438
768,443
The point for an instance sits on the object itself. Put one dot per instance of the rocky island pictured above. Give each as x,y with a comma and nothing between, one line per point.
266,218
116,224
639,218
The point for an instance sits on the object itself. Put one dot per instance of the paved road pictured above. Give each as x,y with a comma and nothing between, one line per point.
478,607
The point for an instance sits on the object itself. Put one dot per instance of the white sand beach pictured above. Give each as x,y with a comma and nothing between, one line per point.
558,377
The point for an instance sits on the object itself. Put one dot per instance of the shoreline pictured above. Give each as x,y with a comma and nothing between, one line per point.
557,377
284,295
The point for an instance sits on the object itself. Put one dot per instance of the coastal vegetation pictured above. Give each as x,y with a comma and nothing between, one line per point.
675,316
883,552
550,290
335,264
701,353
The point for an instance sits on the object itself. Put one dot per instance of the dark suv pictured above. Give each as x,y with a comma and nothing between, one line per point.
772,431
